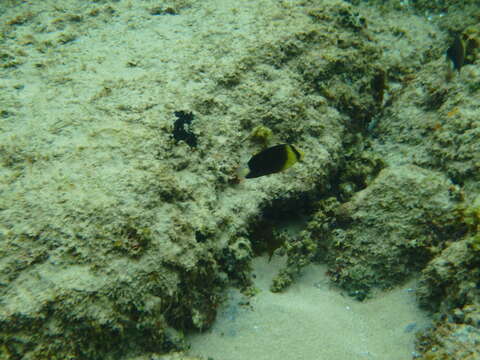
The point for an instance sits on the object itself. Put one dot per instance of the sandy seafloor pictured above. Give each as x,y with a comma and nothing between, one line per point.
312,321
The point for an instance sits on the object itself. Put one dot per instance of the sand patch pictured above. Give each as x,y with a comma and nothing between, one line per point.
312,321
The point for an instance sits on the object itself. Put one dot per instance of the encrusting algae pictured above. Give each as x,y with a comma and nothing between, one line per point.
119,228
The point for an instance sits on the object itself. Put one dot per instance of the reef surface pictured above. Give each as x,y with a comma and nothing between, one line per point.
123,125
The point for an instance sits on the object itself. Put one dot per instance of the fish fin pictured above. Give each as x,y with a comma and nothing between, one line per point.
242,172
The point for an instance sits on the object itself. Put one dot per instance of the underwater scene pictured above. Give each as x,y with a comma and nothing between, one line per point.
239,179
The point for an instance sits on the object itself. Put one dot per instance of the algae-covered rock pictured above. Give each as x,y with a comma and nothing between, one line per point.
390,229
382,235
449,287
445,286
433,123
449,341
118,236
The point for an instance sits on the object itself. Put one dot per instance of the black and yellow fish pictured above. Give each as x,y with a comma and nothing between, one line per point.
272,160
456,53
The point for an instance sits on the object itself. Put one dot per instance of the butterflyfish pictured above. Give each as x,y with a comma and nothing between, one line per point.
273,160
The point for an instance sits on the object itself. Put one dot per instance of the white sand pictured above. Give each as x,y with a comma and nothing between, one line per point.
312,321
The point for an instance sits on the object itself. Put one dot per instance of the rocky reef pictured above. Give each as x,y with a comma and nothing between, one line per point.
120,227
